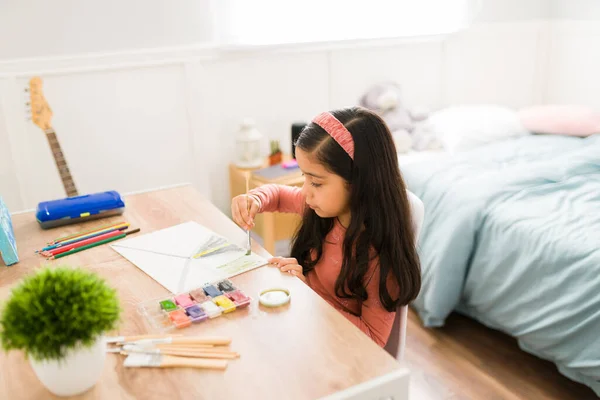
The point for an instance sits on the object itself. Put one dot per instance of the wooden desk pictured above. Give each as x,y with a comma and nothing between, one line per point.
304,350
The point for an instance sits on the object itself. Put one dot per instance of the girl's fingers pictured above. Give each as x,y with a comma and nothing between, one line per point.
299,275
291,267
243,208
297,272
253,211
248,207
239,209
235,215
274,260
287,260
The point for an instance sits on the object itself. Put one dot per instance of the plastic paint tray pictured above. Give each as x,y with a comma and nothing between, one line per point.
181,310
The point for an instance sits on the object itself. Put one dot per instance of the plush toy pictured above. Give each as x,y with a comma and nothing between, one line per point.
385,99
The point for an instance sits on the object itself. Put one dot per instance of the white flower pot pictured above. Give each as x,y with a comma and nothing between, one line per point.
76,373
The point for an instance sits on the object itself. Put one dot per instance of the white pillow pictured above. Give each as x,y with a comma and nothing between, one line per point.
465,127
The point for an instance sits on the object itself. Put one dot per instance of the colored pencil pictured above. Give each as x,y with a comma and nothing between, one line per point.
75,238
68,247
84,233
89,246
95,233
80,238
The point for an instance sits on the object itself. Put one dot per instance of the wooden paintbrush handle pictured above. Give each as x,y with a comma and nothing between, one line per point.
221,350
173,361
188,346
140,337
200,354
217,341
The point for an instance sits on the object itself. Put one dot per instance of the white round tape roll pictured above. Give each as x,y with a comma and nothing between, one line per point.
274,297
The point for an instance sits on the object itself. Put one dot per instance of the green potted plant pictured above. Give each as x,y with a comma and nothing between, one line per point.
275,155
58,317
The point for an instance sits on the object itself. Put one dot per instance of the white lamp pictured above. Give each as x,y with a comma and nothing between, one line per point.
248,142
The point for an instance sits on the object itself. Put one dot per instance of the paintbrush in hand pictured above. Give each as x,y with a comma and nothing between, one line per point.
249,250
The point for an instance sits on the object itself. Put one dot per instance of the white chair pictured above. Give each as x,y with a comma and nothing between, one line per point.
397,340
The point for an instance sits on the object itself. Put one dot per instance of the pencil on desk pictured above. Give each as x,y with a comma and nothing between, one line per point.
81,243
74,235
118,227
98,243
76,239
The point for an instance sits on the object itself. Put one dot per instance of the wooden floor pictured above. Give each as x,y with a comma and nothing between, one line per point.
466,360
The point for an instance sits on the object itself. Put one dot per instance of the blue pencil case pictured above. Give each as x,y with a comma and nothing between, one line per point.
73,210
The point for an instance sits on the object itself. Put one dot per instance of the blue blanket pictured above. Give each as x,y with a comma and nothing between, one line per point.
511,237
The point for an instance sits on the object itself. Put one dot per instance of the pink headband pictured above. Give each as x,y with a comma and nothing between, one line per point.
337,131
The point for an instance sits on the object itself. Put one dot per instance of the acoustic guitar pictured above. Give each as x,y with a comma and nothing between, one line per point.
41,115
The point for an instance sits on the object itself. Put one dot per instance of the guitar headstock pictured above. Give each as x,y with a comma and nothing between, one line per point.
41,114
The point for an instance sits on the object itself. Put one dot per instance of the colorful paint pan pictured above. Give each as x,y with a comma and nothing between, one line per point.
199,296
211,309
226,286
168,305
184,300
225,303
180,319
239,298
212,291
196,313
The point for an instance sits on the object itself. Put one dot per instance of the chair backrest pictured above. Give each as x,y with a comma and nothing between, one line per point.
397,340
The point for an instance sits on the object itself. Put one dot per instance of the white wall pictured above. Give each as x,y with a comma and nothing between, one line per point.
8,178
143,119
40,28
513,10
582,10
575,63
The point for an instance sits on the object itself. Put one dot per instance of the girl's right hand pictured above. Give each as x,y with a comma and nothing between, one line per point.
243,210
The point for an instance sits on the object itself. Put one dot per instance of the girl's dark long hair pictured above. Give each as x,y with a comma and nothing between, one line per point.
379,206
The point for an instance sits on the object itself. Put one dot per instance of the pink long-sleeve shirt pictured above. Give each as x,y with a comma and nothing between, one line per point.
369,316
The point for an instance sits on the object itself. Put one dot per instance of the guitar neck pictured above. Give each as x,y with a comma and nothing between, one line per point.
61,163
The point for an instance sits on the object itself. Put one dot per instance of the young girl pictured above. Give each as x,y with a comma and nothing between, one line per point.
356,244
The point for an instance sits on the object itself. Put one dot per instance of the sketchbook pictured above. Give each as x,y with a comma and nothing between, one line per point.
187,256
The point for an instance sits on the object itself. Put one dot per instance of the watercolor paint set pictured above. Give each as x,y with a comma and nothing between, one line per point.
196,306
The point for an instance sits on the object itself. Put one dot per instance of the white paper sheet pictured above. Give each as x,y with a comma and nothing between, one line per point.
168,256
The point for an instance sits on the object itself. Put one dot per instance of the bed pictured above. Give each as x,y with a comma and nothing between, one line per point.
511,238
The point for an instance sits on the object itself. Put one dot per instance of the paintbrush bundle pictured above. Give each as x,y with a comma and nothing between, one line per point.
175,351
